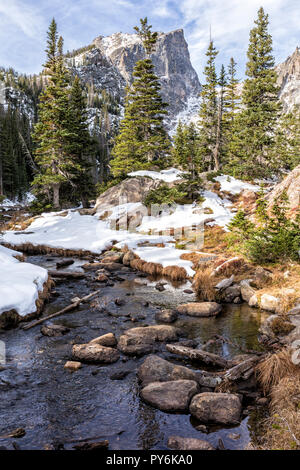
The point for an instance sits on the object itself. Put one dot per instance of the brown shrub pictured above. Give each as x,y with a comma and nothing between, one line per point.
280,326
137,264
276,366
281,430
204,283
175,273
152,268
31,249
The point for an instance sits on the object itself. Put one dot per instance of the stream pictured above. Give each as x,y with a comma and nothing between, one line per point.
59,408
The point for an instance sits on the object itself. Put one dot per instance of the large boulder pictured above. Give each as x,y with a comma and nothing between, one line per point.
94,353
140,340
135,345
170,396
200,309
154,332
105,340
221,408
188,443
246,290
290,185
129,190
166,316
269,302
156,369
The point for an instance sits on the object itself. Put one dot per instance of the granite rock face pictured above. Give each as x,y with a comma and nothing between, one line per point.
109,64
289,81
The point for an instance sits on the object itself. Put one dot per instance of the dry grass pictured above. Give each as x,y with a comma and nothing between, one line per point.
214,239
175,273
280,379
19,222
137,264
282,429
31,249
274,368
153,269
280,326
204,283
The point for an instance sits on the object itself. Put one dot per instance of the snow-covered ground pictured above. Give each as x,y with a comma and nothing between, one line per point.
234,186
88,232
168,176
11,203
20,283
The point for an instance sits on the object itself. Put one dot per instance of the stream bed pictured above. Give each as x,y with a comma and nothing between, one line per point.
58,408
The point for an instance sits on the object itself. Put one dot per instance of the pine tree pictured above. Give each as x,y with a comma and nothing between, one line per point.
255,126
52,133
231,108
142,139
219,145
80,144
208,114
287,148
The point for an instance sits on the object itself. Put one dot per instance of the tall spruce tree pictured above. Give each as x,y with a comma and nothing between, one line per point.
208,114
218,149
52,132
287,148
255,127
231,108
80,144
143,139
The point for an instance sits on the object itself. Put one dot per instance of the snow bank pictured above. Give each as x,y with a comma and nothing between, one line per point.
168,176
10,203
168,256
20,283
191,214
235,186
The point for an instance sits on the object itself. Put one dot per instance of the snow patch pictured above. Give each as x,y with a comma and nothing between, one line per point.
168,176
235,186
20,283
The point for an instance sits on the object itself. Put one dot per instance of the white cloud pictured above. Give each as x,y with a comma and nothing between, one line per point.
24,17
24,24
230,23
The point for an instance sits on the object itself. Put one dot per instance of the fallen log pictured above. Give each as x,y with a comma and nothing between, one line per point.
242,371
64,263
67,309
199,355
66,274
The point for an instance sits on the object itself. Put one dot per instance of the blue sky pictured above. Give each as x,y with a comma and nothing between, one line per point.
24,24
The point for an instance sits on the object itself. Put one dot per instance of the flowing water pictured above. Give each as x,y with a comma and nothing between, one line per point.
57,407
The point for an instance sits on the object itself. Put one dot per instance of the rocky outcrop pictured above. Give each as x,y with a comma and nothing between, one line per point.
289,81
291,185
171,62
109,61
130,190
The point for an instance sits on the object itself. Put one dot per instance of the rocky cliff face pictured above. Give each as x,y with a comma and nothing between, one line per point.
109,62
289,81
291,185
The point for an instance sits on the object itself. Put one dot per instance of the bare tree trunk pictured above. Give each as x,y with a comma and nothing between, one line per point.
216,150
55,188
1,179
